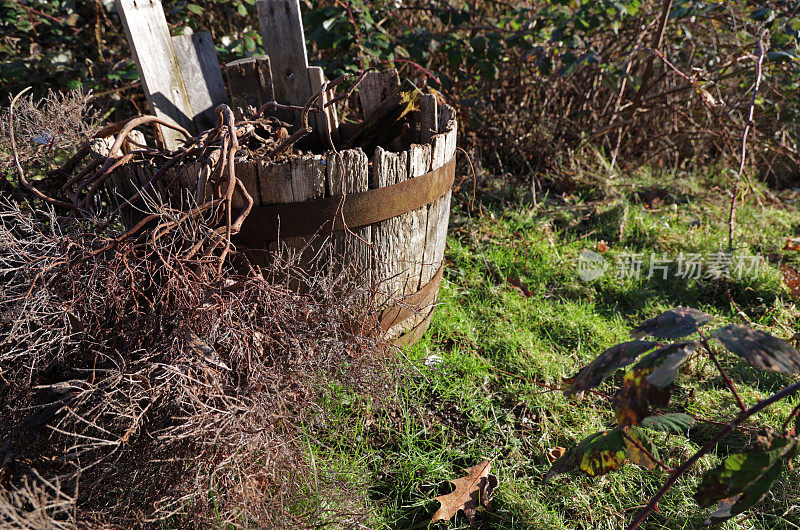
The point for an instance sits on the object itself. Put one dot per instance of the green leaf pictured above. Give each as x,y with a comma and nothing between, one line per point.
242,10
761,350
763,15
570,459
666,361
673,324
777,56
194,8
674,422
635,453
739,472
604,454
597,454
607,363
737,504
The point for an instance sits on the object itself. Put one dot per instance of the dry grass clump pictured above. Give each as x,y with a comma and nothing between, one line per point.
141,388
46,129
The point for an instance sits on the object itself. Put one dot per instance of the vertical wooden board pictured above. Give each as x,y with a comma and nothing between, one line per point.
152,194
426,119
441,213
149,40
348,171
308,178
436,210
308,183
125,183
331,125
275,182
419,163
247,172
250,82
282,34
375,87
389,237
202,76
275,187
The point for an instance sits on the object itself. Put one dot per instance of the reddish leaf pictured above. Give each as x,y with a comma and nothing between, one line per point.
792,279
518,285
633,400
792,243
760,349
471,490
555,453
673,324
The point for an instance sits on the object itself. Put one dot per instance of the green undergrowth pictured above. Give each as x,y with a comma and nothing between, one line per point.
485,383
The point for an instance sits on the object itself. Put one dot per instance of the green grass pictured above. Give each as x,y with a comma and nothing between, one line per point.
481,384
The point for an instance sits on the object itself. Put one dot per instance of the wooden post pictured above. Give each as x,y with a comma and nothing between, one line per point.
442,150
148,37
293,80
202,76
282,34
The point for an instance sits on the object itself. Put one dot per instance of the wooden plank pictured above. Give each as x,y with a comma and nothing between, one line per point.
348,172
149,40
419,163
388,236
202,76
282,34
426,119
247,172
308,183
444,148
250,83
375,87
317,79
297,180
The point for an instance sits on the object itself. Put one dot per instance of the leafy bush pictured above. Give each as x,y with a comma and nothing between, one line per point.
741,480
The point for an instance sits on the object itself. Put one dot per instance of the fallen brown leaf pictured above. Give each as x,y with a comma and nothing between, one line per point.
792,243
518,285
792,279
471,490
554,453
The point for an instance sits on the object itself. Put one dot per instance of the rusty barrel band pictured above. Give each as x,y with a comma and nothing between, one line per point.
271,221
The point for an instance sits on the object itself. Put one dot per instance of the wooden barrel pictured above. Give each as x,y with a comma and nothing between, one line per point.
384,216
392,223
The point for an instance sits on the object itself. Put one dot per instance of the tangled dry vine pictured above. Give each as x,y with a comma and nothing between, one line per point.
86,175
